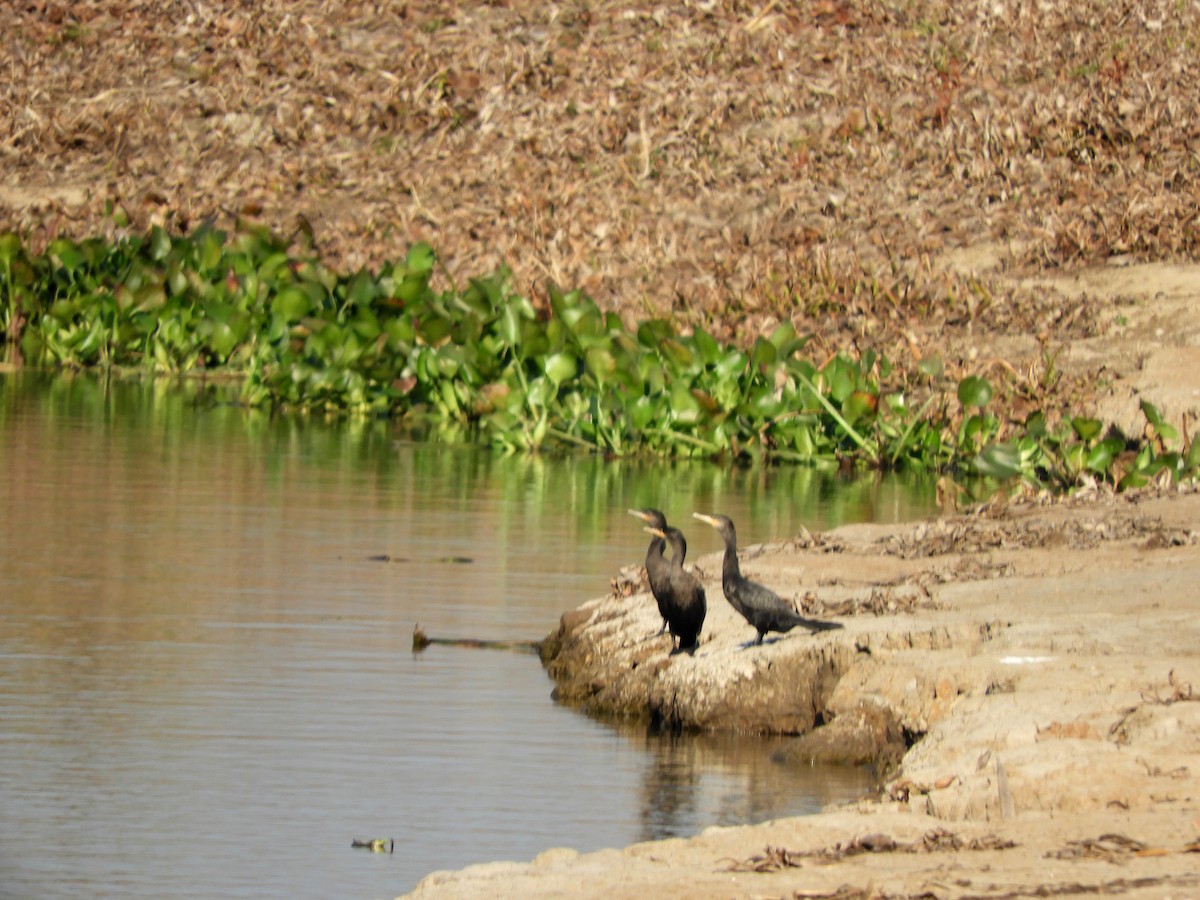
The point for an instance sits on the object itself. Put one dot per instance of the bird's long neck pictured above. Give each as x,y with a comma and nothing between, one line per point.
654,553
729,564
678,550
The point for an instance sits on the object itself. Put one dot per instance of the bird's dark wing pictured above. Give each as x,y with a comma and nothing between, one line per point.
767,611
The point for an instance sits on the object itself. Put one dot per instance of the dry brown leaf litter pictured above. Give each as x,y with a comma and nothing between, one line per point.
935,840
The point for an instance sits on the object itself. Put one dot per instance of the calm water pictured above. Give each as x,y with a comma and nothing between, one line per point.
206,684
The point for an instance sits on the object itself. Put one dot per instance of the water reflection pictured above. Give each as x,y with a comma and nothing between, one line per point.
697,780
199,656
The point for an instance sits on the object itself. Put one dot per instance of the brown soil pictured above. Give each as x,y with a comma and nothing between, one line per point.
1009,185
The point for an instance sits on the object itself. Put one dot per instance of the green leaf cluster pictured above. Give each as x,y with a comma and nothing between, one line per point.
484,362
1079,450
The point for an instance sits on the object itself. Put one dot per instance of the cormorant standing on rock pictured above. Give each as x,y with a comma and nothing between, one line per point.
658,569
685,606
760,605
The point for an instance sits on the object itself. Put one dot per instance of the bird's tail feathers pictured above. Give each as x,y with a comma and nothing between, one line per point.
815,625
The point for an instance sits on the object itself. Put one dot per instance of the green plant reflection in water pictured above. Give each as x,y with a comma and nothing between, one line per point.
169,416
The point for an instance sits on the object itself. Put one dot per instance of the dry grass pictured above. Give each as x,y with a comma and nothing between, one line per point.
733,163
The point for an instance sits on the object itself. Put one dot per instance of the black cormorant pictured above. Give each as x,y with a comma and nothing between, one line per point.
685,604
760,606
658,569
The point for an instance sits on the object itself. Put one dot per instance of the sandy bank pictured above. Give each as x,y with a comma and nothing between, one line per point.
1033,664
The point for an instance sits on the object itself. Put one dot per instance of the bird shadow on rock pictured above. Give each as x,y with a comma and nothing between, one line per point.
753,642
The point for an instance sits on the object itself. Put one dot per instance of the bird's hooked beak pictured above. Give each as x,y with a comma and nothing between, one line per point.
645,517
657,532
707,520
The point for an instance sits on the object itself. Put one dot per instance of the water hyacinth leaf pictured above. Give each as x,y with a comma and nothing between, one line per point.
560,367
400,333
763,354
573,309
1075,457
677,353
1035,425
10,248
588,329
801,440
211,249
362,290
411,289
435,329
1174,462
270,268
541,391
583,320
222,340
650,372
292,304
600,363
645,411
1150,411
841,378
1191,459
66,253
510,326
63,311
1133,480
1086,429
539,339
449,397
783,335
88,341
786,341
895,403
999,461
685,409
974,427
802,368
762,406
732,364
177,279
160,243
420,259
627,353
653,332
451,360
1101,458
316,289
366,324
1162,428
485,295
706,346
974,392
859,406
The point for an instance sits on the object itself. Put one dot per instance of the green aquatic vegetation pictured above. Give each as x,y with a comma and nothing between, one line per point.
481,361
1079,449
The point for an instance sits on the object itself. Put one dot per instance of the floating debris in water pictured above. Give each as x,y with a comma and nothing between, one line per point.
388,558
421,641
375,845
